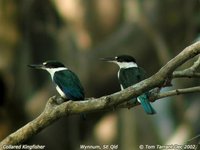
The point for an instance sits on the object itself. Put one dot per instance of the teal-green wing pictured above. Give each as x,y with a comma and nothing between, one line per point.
131,76
70,84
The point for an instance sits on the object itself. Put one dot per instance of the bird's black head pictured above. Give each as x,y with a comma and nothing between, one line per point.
125,58
120,59
52,64
47,65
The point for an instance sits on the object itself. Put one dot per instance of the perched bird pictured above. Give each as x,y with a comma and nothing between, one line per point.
129,74
67,83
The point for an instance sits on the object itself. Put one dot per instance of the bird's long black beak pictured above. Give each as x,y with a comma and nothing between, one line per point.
108,59
36,66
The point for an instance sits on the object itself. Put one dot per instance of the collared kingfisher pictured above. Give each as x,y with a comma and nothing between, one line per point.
67,83
129,74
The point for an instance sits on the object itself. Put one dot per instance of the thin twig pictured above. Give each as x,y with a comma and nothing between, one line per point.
190,72
178,92
157,96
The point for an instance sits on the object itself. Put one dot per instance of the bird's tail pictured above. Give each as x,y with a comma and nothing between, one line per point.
143,99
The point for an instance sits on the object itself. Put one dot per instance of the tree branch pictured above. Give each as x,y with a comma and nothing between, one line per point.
189,72
157,96
176,92
195,66
54,111
186,74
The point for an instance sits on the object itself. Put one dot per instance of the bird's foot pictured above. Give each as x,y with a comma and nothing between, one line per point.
53,99
60,100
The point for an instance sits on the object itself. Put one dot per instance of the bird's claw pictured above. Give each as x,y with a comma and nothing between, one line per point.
60,100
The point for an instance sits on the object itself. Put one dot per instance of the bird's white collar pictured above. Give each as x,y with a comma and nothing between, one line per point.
126,65
53,70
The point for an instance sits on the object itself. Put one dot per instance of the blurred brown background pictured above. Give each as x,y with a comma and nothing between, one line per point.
78,33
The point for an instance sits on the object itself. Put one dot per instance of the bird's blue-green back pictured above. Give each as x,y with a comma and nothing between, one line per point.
70,84
131,76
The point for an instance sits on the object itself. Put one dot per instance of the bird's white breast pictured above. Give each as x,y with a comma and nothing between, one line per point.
118,78
60,92
125,65
52,71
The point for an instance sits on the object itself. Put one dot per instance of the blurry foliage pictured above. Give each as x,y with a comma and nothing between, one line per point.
78,33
